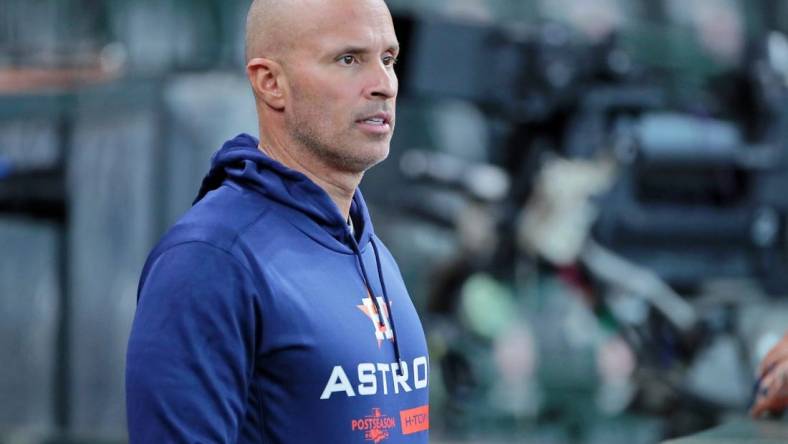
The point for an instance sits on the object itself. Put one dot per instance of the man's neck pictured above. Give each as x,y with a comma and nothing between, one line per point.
340,186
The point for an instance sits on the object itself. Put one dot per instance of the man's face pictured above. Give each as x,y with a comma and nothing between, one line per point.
342,84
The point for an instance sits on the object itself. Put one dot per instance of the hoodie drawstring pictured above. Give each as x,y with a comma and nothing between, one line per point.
397,353
365,276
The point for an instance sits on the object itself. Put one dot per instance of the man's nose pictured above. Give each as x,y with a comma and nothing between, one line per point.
383,83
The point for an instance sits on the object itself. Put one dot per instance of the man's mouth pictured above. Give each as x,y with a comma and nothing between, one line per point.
379,123
378,118
375,121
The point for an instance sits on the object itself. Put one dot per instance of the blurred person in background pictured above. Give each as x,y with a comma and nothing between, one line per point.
718,26
271,312
594,19
772,394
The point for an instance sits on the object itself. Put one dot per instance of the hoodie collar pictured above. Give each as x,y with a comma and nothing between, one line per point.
240,160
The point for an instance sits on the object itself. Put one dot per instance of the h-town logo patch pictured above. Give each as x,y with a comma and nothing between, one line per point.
382,327
375,426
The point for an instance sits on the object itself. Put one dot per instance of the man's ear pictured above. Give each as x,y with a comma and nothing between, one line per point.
267,80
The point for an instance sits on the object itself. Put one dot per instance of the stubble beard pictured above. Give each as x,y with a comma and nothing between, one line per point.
338,154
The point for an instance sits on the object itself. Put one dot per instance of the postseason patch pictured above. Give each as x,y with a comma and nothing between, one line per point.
375,426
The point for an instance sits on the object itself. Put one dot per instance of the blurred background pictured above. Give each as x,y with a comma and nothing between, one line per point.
587,199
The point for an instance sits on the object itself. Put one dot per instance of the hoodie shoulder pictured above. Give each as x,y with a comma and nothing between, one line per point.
220,220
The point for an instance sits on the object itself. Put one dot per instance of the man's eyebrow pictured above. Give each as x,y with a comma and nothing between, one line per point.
353,50
363,50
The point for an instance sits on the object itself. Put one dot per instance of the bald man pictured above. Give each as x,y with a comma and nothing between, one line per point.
271,312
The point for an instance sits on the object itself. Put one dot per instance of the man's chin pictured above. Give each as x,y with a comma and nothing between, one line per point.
367,156
378,153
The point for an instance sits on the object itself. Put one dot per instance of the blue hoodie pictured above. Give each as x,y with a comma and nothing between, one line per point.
255,324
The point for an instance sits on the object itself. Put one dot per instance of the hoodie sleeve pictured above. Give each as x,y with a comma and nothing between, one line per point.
191,351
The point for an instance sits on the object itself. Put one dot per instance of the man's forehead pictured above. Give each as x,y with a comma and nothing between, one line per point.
362,23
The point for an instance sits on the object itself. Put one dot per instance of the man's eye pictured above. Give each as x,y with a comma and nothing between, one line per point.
347,60
389,60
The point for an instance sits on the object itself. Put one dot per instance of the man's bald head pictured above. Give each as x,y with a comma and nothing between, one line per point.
264,28
273,26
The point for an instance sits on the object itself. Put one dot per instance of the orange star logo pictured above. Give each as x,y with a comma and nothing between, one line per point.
382,326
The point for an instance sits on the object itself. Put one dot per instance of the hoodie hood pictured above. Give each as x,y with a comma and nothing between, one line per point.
240,160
